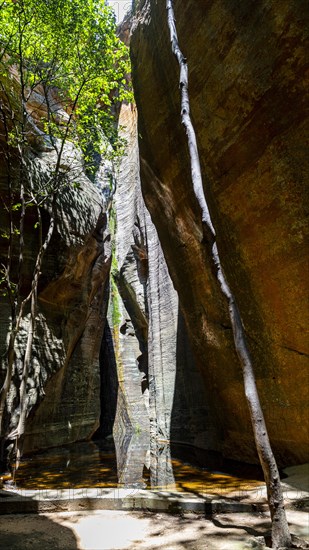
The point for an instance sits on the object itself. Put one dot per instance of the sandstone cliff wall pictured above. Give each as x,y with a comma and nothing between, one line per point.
160,395
168,363
249,105
63,383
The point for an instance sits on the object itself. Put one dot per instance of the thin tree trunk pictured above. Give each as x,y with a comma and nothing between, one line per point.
280,530
10,359
19,431
18,308
13,292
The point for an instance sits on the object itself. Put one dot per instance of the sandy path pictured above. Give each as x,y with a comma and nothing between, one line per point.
111,530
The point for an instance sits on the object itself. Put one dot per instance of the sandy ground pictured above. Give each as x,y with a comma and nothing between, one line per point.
111,530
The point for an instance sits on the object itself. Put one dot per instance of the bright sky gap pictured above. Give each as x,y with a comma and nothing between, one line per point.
120,7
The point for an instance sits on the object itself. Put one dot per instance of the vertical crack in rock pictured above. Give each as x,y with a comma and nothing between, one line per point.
151,410
280,530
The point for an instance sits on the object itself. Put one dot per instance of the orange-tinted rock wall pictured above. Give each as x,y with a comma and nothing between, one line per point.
249,101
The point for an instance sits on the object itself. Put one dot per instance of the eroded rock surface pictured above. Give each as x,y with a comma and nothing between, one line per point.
63,383
249,104
151,346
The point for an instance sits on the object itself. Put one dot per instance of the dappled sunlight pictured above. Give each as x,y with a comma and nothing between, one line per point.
87,464
103,531
199,480
116,530
106,530
78,465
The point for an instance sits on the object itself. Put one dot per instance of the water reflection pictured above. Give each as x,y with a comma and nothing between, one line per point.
84,464
131,460
132,452
143,462
161,467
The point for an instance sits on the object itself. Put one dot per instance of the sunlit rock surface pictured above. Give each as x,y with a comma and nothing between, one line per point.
128,289
249,102
151,346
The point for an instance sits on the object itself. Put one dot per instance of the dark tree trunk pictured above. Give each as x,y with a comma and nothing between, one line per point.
280,531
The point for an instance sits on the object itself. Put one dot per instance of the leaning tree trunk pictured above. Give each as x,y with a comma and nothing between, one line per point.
280,531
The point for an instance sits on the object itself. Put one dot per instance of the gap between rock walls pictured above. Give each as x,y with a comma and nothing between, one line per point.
160,283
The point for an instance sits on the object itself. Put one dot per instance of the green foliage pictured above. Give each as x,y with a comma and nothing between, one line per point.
68,49
116,314
115,298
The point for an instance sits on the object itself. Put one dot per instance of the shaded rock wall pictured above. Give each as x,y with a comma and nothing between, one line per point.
64,378
249,106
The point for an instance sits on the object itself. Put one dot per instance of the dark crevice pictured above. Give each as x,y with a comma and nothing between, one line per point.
295,351
109,385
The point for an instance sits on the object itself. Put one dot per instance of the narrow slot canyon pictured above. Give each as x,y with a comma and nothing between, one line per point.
154,272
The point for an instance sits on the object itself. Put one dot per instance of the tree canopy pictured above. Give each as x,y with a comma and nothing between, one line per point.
71,46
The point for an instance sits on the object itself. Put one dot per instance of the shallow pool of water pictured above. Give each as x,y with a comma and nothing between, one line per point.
100,464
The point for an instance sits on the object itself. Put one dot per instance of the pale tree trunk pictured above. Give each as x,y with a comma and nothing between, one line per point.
280,531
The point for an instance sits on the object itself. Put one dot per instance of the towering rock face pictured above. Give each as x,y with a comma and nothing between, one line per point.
249,100
130,271
150,344
63,383
73,304
169,371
